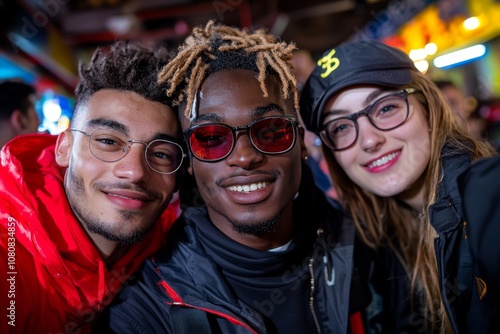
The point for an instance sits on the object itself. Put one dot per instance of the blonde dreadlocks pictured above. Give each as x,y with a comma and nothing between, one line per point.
218,47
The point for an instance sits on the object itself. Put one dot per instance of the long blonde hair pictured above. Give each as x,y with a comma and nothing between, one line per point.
412,236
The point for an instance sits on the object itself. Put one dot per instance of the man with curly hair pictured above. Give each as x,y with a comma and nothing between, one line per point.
79,212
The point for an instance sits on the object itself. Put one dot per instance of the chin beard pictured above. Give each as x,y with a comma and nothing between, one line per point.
75,189
129,239
100,227
256,228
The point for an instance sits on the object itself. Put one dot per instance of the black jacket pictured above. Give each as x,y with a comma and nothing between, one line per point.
460,281
479,188
187,276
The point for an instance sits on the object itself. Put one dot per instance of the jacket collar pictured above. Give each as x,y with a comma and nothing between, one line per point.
446,212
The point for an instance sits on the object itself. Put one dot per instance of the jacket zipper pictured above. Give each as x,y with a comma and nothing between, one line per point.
311,298
177,301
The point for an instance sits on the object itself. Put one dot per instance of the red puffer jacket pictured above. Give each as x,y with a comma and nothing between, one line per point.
52,279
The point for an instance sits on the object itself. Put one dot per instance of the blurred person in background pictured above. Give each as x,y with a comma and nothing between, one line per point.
490,110
303,65
79,212
17,110
464,107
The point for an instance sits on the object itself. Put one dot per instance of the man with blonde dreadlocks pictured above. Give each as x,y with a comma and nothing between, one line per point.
266,252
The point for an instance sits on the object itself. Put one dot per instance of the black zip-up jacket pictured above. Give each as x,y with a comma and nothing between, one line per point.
189,275
480,191
462,288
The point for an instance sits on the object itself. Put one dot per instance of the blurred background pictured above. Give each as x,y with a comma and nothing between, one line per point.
42,41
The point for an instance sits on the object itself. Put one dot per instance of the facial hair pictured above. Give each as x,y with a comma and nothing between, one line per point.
75,192
256,228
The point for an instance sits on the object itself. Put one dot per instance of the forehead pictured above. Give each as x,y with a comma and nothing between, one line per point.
353,96
130,109
238,93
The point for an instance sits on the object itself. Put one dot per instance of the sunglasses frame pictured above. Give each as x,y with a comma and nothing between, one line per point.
236,130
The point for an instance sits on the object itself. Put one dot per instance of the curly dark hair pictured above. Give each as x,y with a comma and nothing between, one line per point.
217,47
127,66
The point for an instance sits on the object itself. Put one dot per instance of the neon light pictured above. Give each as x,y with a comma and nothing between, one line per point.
52,110
472,23
422,65
460,56
417,54
431,48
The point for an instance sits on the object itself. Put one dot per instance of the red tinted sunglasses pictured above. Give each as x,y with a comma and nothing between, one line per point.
214,141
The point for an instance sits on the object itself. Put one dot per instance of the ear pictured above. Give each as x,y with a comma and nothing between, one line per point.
303,147
18,120
63,148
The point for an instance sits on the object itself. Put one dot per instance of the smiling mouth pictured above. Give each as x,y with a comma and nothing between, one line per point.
247,188
129,196
383,160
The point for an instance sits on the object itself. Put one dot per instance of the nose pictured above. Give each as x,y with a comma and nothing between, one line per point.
244,155
369,137
133,165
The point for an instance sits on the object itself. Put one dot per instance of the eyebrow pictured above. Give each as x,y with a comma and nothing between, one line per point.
212,117
107,123
259,111
256,112
368,100
374,95
116,126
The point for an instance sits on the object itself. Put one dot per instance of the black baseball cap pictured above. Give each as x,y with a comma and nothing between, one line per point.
351,63
13,94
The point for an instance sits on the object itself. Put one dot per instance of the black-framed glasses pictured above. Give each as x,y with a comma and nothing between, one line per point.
386,113
272,135
162,156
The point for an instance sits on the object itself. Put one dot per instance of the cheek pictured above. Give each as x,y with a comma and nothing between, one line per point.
86,165
418,125
345,159
295,171
204,178
86,168
421,154
421,151
418,138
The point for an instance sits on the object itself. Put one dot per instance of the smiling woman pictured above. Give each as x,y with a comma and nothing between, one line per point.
396,170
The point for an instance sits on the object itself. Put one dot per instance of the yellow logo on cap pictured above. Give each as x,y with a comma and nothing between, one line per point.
329,63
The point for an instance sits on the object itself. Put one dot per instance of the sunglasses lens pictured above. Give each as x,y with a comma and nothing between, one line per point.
273,135
211,142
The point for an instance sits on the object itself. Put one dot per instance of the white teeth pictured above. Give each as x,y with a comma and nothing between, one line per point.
383,160
248,187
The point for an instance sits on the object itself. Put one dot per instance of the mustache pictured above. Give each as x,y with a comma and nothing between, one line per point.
106,187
